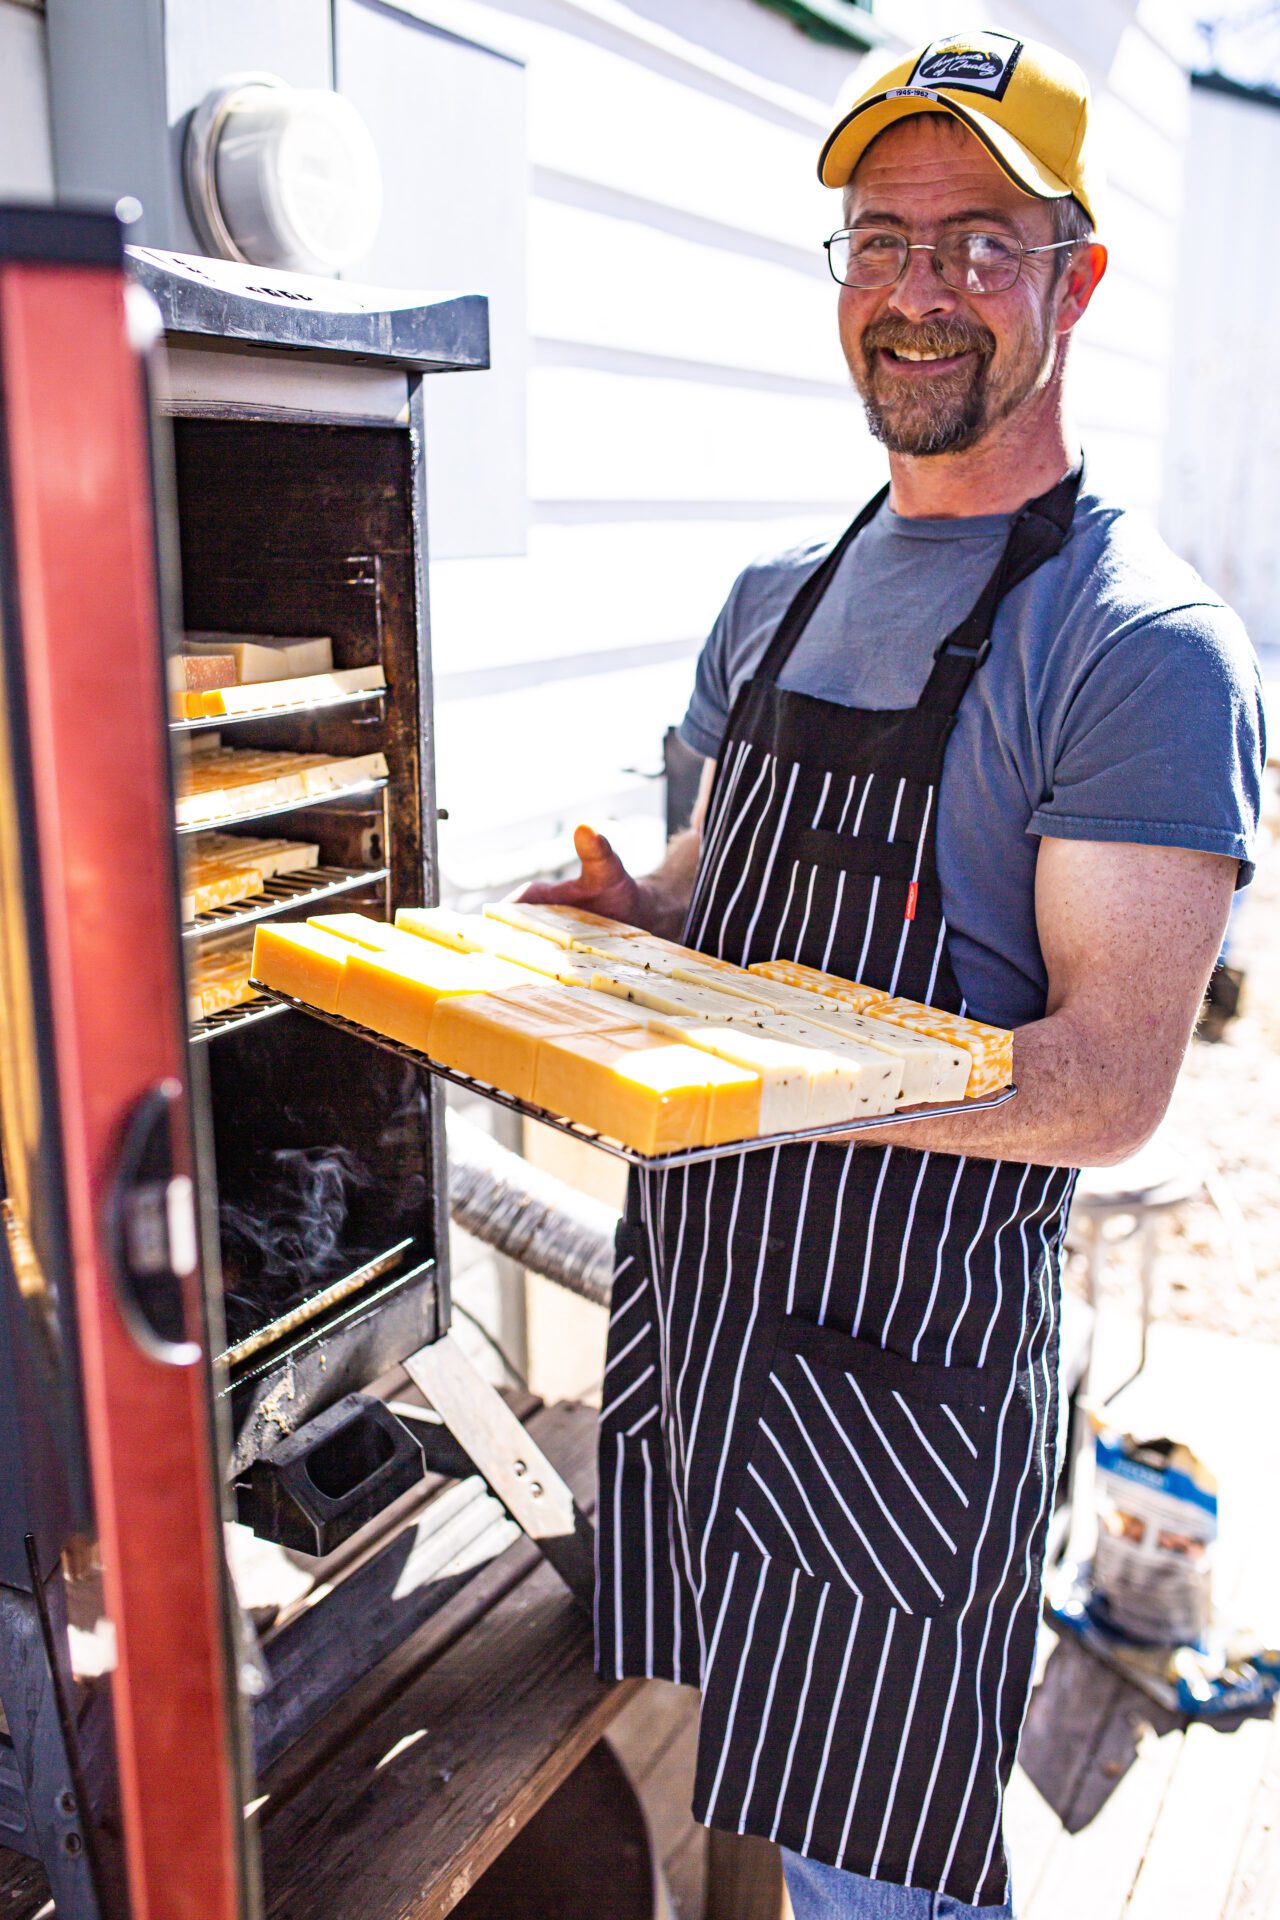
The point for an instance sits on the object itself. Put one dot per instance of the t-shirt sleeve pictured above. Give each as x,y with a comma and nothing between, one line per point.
1162,742
707,716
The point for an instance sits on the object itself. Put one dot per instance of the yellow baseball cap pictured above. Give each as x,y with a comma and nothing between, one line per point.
1027,103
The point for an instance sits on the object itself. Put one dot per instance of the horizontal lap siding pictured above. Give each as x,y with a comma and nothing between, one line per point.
1223,476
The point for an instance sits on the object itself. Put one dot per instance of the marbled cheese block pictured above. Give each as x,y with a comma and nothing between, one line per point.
811,980
989,1048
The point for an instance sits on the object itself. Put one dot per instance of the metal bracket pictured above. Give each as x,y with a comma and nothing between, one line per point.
48,1821
509,1459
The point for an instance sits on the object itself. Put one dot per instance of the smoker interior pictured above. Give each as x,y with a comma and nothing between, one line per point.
324,1148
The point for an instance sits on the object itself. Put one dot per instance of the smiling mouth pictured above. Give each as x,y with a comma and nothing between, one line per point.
918,357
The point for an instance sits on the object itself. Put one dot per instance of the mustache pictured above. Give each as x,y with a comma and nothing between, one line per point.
930,336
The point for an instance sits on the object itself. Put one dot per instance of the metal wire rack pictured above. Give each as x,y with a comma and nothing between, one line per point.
312,886
658,1163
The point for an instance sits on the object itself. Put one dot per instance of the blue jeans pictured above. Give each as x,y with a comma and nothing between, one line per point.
828,1893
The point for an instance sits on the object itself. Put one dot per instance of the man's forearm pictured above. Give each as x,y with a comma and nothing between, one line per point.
1081,1101
663,896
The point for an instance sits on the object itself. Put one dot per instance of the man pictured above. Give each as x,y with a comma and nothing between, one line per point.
1000,751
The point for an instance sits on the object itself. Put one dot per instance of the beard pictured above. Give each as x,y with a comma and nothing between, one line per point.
950,412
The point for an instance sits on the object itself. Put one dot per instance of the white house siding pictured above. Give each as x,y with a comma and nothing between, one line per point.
687,404
1223,474
26,158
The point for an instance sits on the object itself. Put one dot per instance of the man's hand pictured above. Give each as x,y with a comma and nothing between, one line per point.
1129,936
603,885
658,902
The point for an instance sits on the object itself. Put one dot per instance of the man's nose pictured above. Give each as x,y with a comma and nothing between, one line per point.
921,293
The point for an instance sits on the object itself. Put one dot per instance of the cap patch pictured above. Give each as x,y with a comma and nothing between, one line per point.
969,63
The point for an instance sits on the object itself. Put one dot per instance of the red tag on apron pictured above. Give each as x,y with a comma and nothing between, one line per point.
913,892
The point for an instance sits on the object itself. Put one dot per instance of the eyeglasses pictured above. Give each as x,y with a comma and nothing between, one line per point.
969,262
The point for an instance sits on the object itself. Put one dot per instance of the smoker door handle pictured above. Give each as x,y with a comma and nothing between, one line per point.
151,1230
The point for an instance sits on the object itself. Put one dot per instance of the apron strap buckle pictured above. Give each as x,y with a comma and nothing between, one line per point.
977,654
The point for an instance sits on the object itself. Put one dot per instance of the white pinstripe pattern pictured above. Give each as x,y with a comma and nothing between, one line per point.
769,1495
1050,1295
839,1498
834,1247
907,925
677,1630
648,1558
619,1666
715,1331
892,1794
968,1262
630,1301
937,1265
607,1413
907,1481
1014,1505
630,1347
743,1348
769,864
831,1726
747,1638
808,909
716,824
835,920
769,768
993,1488
937,961
725,1597
866,1737
960,1430
906,1242
768,1703
887,1155
871,921
937,1459
798,1236
814,1638
998,1269
858,1462
716,861
750,812
778,1448
650,1413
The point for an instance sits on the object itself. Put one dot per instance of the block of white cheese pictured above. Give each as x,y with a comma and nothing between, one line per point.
802,1085
263,656
931,1071
565,925
674,996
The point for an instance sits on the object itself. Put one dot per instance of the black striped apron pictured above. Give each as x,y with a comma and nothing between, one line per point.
830,1402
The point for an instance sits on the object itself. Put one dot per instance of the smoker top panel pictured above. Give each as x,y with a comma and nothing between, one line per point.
219,301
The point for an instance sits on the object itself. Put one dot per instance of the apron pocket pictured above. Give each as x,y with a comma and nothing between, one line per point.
867,1470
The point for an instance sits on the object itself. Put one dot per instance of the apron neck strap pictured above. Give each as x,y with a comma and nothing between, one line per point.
1038,531
797,616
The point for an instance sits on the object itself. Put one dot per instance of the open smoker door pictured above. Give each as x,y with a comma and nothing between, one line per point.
97,1124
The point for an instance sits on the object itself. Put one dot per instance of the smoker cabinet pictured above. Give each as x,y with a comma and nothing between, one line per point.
224,1225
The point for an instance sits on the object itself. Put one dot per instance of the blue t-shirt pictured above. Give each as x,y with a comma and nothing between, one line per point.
1120,701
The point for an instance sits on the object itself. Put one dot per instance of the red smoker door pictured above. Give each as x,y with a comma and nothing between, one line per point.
85,693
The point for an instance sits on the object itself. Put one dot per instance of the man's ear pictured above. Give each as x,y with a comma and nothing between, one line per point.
1080,282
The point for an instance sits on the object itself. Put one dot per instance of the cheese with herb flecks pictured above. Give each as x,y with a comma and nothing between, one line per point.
990,1048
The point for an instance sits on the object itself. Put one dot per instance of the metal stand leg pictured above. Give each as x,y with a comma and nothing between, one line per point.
508,1458
35,1695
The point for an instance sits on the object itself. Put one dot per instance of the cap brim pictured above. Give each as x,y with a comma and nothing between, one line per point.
850,140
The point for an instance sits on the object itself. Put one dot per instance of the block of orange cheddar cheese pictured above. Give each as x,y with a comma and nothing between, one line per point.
302,961
645,1089
395,993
